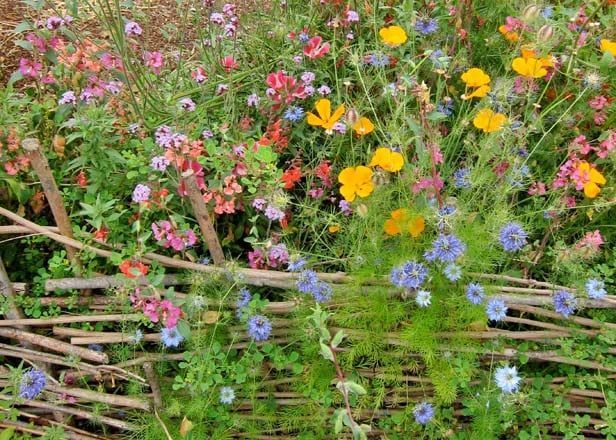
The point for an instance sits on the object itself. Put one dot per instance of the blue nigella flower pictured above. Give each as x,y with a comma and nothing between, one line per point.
294,114
32,383
507,379
227,395
512,237
564,303
423,298
445,107
462,179
242,302
409,276
496,309
308,282
547,11
595,288
452,272
378,59
426,26
296,265
259,327
171,337
475,293
447,248
439,59
423,412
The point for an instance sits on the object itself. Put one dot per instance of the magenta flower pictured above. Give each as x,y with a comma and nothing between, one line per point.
154,60
132,29
30,68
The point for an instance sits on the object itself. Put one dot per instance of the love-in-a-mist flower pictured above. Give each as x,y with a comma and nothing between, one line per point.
588,178
402,221
488,121
475,293
512,237
595,288
423,298
410,275
259,327
447,248
227,395
325,119
423,413
32,383
477,81
496,309
565,303
171,337
356,181
393,35
608,46
388,160
507,379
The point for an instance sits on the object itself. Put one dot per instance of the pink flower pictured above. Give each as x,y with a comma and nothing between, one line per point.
199,75
256,259
537,188
592,240
607,145
598,102
154,60
229,63
170,314
30,68
580,143
599,118
315,48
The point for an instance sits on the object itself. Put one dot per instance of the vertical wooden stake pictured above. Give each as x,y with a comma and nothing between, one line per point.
205,222
52,193
6,289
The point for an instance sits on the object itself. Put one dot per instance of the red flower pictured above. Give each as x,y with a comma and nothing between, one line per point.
314,49
323,171
101,234
133,269
229,63
82,179
291,176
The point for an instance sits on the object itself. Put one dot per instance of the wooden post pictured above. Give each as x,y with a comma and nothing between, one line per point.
205,222
52,193
6,289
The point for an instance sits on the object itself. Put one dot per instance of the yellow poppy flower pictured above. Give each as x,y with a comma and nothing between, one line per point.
390,161
608,46
363,126
488,121
401,221
393,35
475,77
325,119
356,181
591,178
334,228
479,92
530,67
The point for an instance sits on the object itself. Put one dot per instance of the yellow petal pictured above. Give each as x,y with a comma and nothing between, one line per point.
393,35
596,177
379,156
347,176
338,113
416,226
348,192
399,214
396,162
519,66
365,189
324,109
314,120
591,190
479,92
363,174
391,227
475,77
363,127
608,46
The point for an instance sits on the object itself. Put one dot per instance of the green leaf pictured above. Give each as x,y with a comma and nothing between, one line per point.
7,434
339,415
338,337
326,352
355,388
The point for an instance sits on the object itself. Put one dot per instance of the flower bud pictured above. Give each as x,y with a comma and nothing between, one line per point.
545,33
351,117
530,12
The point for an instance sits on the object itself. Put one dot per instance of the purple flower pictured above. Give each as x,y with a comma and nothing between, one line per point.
565,303
217,18
242,302
308,282
352,16
141,193
259,327
259,204
345,207
114,87
187,104
475,293
447,248
462,179
410,275
253,100
512,237
273,213
324,90
496,309
308,77
54,23
423,412
67,98
159,163
277,255
294,113
32,383
296,265
426,26
132,29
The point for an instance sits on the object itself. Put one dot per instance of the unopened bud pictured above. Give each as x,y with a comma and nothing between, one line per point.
351,117
545,33
530,12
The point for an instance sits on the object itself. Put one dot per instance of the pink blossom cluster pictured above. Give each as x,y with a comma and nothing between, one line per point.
165,232
227,20
156,310
284,89
274,256
600,104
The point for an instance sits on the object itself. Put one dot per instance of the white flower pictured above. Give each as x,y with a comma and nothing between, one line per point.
423,298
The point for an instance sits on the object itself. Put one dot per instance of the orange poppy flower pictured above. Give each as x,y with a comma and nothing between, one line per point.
488,121
591,179
608,46
530,67
325,119
133,269
478,80
401,221
387,159
509,35
363,126
356,181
